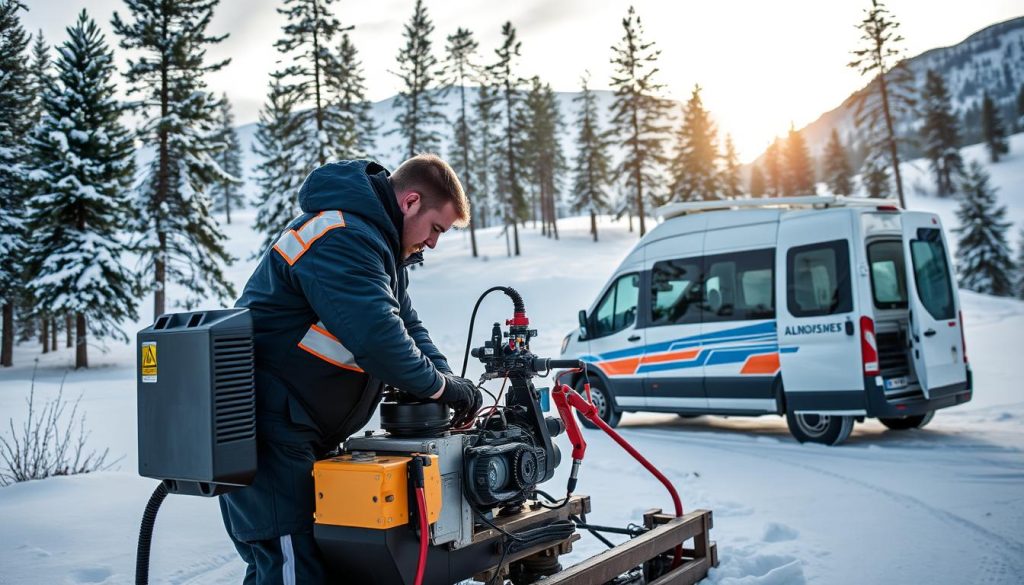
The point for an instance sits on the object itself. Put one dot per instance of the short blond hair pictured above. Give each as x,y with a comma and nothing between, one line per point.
436,181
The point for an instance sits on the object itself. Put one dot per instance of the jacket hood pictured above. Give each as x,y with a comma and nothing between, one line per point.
352,186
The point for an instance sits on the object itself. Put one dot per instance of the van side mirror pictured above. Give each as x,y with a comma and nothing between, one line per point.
583,324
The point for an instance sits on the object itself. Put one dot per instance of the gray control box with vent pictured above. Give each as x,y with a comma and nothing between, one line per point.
197,401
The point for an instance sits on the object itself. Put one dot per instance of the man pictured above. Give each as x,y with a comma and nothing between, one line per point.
333,323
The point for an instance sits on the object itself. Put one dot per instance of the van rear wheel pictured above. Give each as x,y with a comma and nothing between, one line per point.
908,422
602,400
827,429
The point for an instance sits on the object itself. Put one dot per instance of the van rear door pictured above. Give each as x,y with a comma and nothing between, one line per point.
935,336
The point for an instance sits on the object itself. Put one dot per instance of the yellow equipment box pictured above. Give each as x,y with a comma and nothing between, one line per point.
372,491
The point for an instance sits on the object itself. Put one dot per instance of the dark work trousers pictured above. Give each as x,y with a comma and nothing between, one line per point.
271,520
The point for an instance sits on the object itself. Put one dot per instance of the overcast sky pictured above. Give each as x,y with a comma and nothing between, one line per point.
762,64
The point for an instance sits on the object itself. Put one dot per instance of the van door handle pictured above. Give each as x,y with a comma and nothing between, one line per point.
929,333
637,337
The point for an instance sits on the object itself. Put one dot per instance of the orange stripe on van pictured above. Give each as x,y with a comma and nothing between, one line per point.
765,363
623,367
687,354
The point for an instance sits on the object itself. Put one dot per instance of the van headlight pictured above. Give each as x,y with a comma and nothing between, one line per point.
565,343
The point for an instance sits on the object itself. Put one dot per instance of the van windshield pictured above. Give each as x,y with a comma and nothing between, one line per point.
888,274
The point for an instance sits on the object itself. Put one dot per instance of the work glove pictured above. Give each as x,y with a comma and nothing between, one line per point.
463,396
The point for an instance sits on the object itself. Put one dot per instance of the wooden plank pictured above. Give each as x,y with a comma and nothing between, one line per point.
532,518
687,573
560,547
613,562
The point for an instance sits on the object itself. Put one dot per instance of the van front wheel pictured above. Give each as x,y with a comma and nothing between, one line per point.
603,401
819,428
908,422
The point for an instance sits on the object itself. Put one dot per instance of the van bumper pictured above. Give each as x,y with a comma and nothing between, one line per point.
879,407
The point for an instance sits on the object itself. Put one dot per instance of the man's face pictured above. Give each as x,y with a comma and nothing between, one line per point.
422,227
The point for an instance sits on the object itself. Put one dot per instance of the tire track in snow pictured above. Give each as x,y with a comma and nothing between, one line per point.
1015,548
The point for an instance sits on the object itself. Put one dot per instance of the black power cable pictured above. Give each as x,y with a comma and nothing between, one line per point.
146,534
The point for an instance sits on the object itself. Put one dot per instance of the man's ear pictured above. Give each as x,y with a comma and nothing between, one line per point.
409,202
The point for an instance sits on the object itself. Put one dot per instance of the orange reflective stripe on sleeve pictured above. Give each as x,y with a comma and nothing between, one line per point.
319,342
294,243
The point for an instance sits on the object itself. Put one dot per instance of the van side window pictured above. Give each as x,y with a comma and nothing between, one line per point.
617,309
675,292
818,279
931,274
739,286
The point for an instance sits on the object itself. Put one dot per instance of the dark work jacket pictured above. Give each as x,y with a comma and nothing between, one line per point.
331,315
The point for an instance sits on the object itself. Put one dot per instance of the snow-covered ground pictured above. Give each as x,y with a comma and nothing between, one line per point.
941,505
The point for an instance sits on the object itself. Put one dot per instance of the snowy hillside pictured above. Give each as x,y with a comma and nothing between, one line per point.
940,505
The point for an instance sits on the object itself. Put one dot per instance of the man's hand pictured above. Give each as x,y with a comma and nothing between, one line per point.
463,396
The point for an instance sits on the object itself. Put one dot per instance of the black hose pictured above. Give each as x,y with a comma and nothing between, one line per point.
517,305
146,534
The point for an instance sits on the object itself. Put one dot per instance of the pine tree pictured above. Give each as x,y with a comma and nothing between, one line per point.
226,192
694,168
418,101
509,176
874,175
731,170
592,172
85,171
992,129
638,114
798,172
939,134
279,145
982,256
773,168
306,46
485,146
181,242
543,155
350,109
1020,105
838,174
40,74
460,51
15,123
757,184
891,91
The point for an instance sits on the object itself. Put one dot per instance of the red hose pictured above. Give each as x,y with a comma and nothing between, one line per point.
650,467
421,566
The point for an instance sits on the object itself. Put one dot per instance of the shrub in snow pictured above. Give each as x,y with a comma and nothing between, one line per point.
982,256
51,441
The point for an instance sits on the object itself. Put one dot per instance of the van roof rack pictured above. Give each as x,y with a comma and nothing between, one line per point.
807,202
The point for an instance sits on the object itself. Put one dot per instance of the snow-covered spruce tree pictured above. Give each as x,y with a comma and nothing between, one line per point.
890,94
694,168
757,184
306,47
940,135
418,101
1020,106
459,54
358,137
798,171
773,168
510,168
78,213
874,175
730,170
281,148
544,157
983,255
226,192
838,174
992,129
15,123
638,114
181,242
485,145
592,169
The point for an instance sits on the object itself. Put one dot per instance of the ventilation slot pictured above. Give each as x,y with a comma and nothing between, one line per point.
234,388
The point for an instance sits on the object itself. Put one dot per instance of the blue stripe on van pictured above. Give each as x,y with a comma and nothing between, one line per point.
765,331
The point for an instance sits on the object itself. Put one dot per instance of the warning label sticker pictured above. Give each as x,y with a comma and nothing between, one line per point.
149,361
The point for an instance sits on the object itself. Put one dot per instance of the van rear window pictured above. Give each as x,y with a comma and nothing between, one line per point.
888,274
818,279
931,274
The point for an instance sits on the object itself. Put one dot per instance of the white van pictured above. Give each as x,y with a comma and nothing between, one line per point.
825,309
